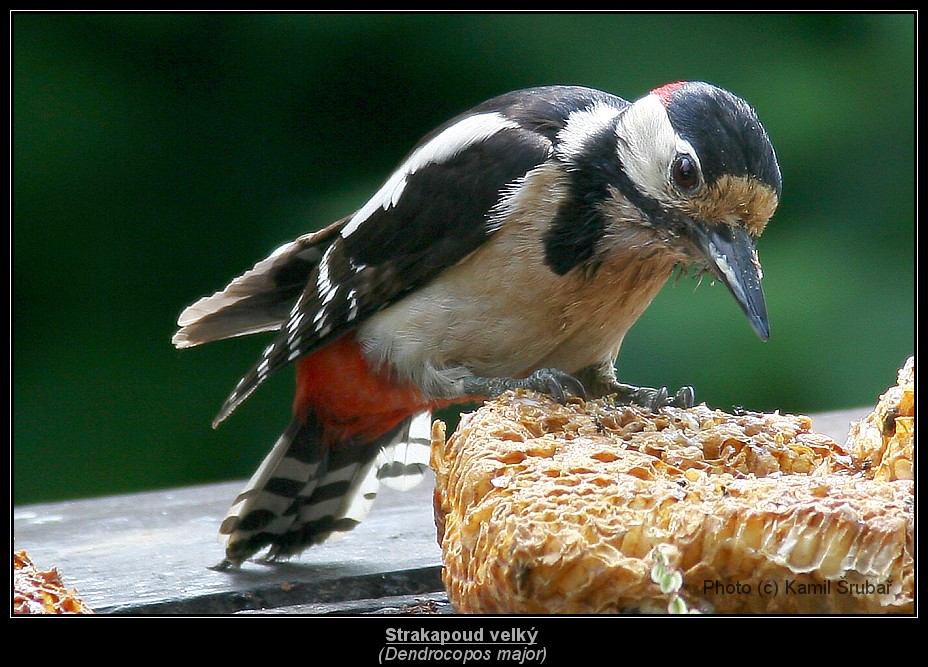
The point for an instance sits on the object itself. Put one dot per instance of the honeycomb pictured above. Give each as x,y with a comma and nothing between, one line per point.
545,508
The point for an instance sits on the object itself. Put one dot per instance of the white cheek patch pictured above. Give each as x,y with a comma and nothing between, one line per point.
448,143
647,146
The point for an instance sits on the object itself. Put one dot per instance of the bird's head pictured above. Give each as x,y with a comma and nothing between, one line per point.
696,161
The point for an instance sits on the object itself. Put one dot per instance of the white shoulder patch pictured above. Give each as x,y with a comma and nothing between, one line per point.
583,124
444,146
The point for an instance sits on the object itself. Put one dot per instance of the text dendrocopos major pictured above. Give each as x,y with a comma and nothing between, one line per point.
513,247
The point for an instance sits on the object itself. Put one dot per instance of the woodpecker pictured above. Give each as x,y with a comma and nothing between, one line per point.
513,247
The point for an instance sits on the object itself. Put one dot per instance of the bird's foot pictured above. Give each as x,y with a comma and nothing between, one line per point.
549,381
653,399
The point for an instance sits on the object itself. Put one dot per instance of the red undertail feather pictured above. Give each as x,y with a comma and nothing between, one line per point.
351,400
353,428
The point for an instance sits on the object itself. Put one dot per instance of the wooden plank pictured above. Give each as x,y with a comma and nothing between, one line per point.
398,605
150,553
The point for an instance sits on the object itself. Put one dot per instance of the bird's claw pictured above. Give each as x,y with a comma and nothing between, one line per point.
554,383
685,397
654,399
548,381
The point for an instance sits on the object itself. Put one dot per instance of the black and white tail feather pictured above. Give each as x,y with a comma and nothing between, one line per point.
305,493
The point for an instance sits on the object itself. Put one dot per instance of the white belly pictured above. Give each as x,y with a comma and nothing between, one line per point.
502,313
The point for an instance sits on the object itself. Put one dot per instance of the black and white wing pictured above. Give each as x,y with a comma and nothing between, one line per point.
434,210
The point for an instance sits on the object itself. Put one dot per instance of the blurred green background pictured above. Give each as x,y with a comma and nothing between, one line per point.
155,156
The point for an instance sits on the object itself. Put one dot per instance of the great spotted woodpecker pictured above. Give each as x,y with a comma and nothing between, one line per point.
513,247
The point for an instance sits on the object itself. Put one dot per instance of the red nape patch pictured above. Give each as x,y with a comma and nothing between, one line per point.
665,91
349,398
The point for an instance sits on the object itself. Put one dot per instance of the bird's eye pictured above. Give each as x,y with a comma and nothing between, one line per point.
685,172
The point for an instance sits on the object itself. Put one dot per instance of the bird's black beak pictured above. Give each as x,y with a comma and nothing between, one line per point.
732,258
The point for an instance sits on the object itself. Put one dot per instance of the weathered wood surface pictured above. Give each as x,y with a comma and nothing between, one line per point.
151,553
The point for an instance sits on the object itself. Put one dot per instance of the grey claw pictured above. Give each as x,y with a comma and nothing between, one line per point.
659,399
554,389
554,383
685,397
654,399
549,381
573,386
